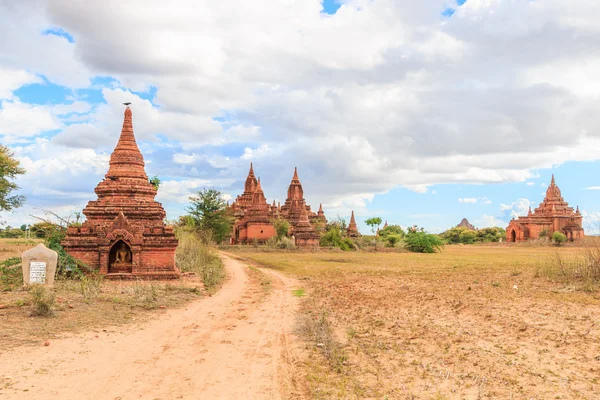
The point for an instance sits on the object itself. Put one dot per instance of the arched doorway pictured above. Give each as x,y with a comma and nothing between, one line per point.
120,258
513,236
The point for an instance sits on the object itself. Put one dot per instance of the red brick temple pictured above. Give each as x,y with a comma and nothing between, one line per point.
253,214
352,230
124,234
553,215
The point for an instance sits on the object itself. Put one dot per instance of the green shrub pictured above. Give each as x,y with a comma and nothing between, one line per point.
333,238
558,238
282,227
42,301
419,241
393,240
467,237
11,275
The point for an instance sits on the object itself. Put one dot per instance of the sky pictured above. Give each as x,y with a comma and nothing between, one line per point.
418,112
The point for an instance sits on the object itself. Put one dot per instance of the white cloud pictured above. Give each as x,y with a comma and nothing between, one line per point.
530,183
381,94
474,200
591,222
517,208
592,188
489,221
12,79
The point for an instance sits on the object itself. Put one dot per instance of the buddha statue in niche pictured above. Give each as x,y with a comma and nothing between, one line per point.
123,254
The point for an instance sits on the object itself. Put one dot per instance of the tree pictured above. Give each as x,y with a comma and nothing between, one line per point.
9,170
467,236
374,223
155,181
282,226
559,238
392,230
419,241
338,222
210,214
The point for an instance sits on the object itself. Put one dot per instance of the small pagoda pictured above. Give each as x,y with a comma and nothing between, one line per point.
553,215
352,230
124,235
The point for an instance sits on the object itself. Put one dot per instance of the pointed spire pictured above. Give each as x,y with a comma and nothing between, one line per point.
577,211
258,187
552,181
250,185
529,212
320,207
295,178
352,230
127,161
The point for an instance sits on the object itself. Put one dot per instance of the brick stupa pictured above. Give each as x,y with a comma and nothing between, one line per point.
553,215
124,235
352,230
254,224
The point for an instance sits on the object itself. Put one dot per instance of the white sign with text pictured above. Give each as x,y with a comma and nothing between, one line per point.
37,272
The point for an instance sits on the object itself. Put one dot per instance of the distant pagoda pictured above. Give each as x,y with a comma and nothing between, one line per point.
352,230
553,215
125,234
466,224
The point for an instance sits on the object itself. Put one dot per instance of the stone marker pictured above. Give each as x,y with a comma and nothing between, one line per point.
39,265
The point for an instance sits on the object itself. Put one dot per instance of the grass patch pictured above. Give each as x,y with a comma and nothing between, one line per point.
582,268
193,255
316,328
42,301
298,292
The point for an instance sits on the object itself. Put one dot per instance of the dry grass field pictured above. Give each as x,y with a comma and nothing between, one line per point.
470,322
81,305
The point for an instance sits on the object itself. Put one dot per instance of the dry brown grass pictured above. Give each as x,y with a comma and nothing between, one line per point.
79,305
470,322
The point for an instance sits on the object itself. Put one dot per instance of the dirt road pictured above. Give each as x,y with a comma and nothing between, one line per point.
233,345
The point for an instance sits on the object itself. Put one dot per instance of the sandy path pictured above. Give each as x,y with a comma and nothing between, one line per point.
234,345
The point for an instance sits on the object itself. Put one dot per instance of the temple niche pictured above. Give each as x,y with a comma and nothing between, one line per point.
253,214
124,234
553,215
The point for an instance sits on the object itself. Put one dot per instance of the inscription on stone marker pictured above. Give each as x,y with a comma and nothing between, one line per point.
37,272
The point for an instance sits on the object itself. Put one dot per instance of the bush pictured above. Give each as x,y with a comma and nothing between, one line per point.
11,275
194,255
42,301
419,241
558,238
467,237
286,243
282,227
333,238
393,240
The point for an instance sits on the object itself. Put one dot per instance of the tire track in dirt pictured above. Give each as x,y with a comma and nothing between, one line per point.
236,344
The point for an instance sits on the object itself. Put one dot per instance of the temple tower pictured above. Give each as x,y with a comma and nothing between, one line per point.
124,234
352,230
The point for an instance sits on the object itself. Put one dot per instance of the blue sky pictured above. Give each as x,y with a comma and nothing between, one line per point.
420,113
